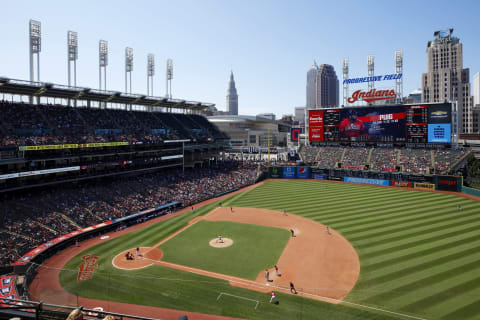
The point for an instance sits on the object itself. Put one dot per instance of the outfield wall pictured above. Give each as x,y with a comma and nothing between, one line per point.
405,180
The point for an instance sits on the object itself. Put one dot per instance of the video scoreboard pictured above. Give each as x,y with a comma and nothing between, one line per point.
422,123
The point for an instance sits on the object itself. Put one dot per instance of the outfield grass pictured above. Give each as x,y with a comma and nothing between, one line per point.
255,248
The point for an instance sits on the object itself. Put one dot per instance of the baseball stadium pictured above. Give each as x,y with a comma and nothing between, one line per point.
116,205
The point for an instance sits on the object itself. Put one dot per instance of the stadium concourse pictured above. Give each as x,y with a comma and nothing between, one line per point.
417,161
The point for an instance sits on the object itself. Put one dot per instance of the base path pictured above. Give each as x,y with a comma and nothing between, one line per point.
321,265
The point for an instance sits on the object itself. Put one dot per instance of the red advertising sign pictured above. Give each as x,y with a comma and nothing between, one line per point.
315,125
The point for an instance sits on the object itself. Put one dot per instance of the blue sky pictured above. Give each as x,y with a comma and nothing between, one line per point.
269,45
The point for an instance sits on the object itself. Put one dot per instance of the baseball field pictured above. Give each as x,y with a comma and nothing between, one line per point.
418,252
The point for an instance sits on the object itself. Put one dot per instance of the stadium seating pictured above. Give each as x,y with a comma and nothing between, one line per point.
29,219
383,159
24,124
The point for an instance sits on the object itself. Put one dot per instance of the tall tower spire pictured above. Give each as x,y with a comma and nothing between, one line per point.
232,97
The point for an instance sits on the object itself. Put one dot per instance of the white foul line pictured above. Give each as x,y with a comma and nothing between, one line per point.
232,295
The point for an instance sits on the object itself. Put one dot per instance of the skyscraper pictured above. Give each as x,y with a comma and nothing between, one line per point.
322,87
232,97
446,80
476,89
327,87
311,86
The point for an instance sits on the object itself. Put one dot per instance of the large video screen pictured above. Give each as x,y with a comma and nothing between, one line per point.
383,124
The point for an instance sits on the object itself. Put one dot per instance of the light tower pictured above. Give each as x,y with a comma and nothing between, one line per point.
102,63
371,70
128,69
345,84
169,78
150,73
399,70
35,45
72,56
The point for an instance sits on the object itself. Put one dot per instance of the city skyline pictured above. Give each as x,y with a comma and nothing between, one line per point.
275,43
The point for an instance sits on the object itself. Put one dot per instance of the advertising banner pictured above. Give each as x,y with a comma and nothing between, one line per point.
288,172
424,186
318,176
449,183
315,125
403,184
377,182
303,172
440,133
275,172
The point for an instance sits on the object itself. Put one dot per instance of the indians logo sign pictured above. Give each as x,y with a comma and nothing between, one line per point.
372,95
85,270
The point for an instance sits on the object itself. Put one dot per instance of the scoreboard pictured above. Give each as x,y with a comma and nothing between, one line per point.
422,123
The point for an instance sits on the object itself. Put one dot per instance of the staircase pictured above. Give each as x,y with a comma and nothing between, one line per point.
70,221
55,232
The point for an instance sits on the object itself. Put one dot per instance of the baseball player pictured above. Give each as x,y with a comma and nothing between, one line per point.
273,297
231,209
220,239
284,212
292,288
267,275
326,228
277,272
293,233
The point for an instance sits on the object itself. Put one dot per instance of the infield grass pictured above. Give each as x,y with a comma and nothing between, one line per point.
255,248
419,256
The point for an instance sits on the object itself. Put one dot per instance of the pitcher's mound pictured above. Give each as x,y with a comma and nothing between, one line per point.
226,242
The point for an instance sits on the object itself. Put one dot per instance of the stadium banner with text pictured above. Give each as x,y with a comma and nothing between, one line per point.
72,146
402,184
319,176
289,172
34,252
315,125
37,172
378,182
303,172
449,183
424,186
276,172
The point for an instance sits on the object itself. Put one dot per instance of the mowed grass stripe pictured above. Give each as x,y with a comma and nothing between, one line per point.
406,240
428,234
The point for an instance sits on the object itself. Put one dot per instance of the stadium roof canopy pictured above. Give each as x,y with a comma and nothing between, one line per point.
50,90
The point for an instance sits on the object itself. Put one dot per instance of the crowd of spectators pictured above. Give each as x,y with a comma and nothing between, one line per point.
445,159
328,157
24,124
415,160
32,218
383,159
355,158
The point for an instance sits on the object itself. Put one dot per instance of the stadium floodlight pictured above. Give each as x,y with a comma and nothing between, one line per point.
102,63
150,73
345,84
35,45
371,70
399,70
169,75
128,67
72,55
